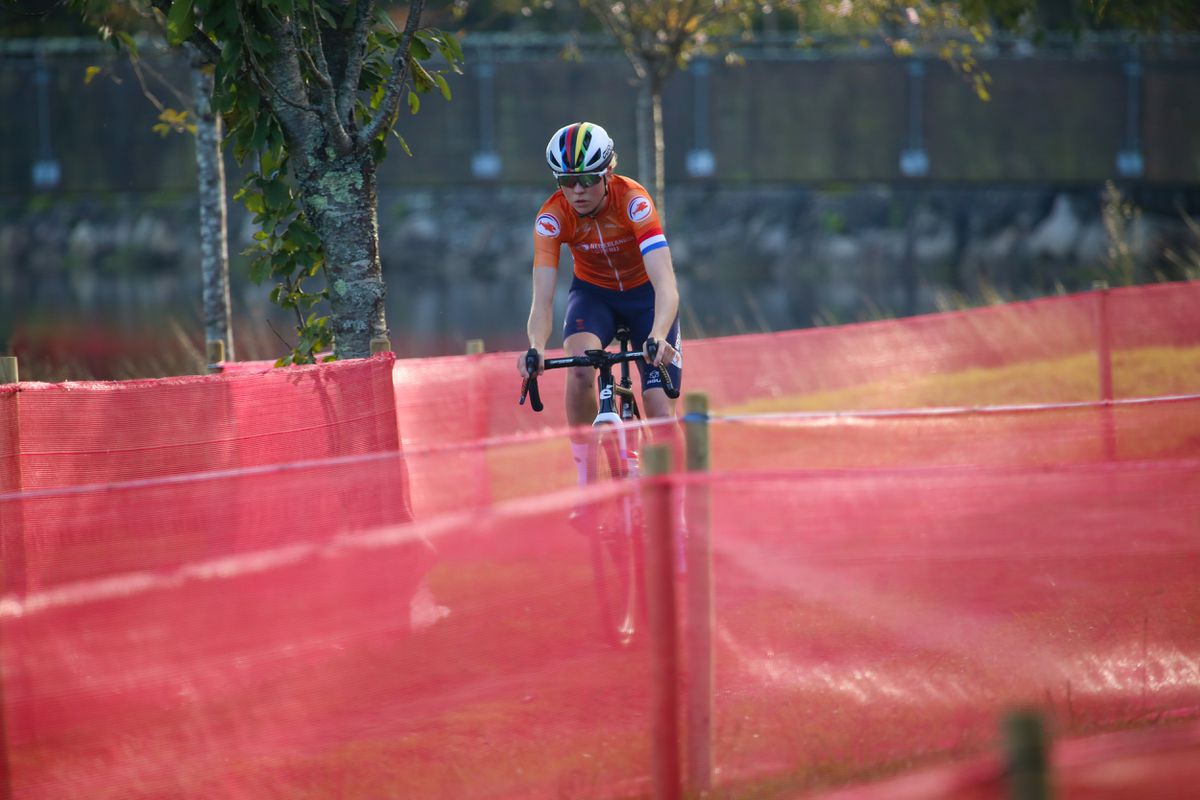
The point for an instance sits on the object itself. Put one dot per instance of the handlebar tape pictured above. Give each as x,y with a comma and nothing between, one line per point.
668,385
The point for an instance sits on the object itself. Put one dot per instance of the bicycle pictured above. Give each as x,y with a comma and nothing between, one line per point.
616,534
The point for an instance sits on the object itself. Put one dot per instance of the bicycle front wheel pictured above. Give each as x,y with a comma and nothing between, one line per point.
616,545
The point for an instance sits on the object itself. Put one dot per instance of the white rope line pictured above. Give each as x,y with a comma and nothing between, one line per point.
236,565
200,477
558,432
948,411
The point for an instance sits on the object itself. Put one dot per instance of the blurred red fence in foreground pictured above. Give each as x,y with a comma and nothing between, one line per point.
71,434
300,602
1052,350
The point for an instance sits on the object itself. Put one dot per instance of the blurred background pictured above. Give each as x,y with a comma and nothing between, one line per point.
815,174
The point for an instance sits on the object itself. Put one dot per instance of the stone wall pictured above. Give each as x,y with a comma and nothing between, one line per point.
457,261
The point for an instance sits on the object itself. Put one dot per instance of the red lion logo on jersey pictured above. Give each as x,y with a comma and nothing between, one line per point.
547,226
638,209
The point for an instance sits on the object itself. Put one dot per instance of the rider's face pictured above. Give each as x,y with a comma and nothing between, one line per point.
586,201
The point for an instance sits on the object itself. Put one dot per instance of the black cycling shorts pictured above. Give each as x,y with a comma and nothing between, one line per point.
596,310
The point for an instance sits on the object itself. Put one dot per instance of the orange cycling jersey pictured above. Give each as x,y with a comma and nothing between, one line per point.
608,247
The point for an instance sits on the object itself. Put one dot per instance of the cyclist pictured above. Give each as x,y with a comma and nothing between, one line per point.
622,273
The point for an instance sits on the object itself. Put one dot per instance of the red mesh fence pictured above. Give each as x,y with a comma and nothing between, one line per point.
1163,764
1129,430
286,634
71,434
1042,351
428,622
876,621
296,636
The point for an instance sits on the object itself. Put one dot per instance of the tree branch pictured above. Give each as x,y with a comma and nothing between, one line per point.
397,80
320,73
625,38
354,60
206,46
317,65
259,74
138,66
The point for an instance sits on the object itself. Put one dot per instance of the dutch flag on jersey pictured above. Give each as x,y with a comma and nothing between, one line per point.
652,240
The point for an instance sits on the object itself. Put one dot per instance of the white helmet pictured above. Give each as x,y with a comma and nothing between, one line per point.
579,147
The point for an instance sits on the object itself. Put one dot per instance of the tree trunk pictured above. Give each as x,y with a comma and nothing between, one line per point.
340,200
214,227
650,145
908,261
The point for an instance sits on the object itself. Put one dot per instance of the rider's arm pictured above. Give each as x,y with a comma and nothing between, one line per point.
541,308
666,298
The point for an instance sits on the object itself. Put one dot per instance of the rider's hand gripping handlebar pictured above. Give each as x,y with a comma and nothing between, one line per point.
668,385
529,386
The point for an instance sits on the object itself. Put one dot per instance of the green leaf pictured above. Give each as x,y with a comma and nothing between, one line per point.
414,102
418,49
277,193
441,83
304,236
378,150
253,201
281,265
404,145
259,140
271,158
384,18
325,16
260,268
181,21
450,49
422,80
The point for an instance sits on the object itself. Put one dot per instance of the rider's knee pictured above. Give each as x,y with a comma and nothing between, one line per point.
580,382
657,404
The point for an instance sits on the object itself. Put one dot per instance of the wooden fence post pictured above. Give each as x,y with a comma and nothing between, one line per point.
477,409
1025,756
12,560
1103,340
380,344
1104,365
214,355
698,643
9,373
666,770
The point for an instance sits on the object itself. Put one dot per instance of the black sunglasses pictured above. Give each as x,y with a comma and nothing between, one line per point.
587,180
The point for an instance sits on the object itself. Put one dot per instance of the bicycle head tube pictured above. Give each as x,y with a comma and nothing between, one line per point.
606,394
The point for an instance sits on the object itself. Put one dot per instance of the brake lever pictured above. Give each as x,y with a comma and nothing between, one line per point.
529,386
668,384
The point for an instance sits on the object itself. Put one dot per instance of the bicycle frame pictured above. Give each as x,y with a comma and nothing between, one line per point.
617,403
